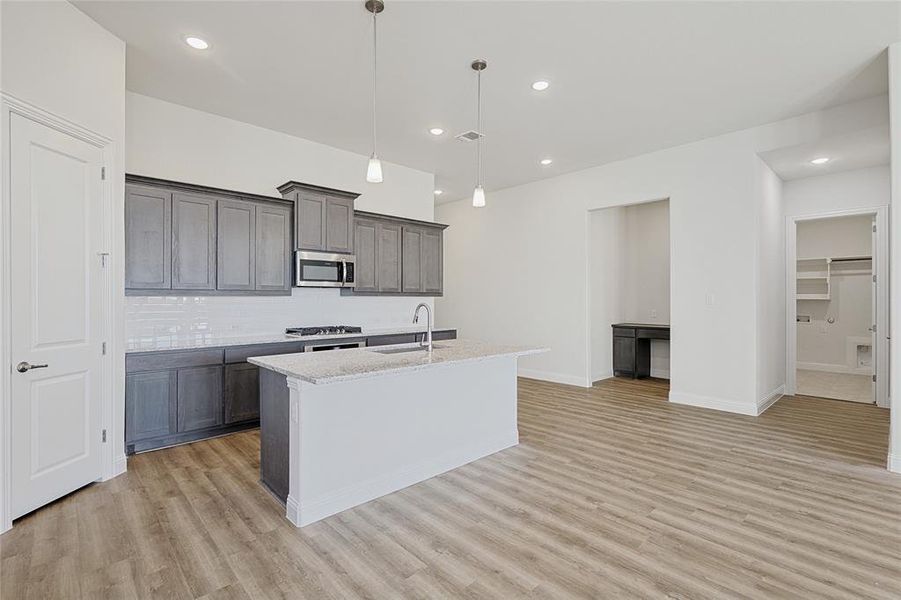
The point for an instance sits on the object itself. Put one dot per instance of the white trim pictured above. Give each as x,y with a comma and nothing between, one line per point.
894,463
602,377
553,377
730,406
770,399
305,513
660,373
881,265
110,466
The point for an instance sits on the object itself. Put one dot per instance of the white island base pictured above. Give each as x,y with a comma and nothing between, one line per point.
354,439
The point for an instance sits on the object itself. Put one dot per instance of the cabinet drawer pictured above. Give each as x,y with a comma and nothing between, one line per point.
653,334
623,332
153,361
240,354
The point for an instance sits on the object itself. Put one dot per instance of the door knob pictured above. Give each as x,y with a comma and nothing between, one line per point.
24,367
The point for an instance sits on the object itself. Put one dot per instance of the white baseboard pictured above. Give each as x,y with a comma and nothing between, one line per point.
770,399
554,377
830,368
601,377
305,513
731,406
894,463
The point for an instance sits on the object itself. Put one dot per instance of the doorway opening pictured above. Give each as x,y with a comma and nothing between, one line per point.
837,349
629,291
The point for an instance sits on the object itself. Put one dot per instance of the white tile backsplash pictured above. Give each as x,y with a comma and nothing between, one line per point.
150,316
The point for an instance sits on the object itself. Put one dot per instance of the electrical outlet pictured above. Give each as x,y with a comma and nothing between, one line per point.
653,313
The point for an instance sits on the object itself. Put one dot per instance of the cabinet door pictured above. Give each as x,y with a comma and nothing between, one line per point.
242,393
193,242
148,238
432,261
199,398
365,242
273,248
389,257
235,244
623,354
310,209
339,224
149,405
412,259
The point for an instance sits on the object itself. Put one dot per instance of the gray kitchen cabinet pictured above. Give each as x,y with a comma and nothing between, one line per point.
273,248
193,242
311,220
365,235
242,393
151,405
324,217
199,398
236,245
432,261
148,247
389,261
339,224
411,259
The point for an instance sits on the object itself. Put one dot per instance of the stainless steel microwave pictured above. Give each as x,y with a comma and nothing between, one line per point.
322,269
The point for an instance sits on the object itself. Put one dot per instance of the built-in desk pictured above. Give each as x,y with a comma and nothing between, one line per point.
632,347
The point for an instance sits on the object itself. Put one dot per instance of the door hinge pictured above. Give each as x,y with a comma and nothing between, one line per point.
874,229
874,377
874,279
102,173
103,258
103,348
103,436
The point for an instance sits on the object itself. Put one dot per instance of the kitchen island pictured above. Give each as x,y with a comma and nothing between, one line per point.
340,428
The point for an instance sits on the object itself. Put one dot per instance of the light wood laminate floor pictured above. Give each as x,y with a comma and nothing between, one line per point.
612,493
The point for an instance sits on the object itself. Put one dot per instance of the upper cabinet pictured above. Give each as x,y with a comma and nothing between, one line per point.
325,217
148,238
397,256
182,237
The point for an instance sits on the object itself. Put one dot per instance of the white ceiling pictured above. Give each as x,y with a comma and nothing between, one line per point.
858,150
626,77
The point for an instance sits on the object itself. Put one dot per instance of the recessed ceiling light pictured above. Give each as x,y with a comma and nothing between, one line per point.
820,161
197,43
546,161
540,85
439,192
436,131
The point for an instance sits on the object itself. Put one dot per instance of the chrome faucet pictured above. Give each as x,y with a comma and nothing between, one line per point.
428,312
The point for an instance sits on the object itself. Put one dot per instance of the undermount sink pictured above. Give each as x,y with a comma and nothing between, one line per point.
402,349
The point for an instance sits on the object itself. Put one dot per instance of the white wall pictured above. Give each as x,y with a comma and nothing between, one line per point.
770,287
629,263
57,59
517,271
169,141
860,188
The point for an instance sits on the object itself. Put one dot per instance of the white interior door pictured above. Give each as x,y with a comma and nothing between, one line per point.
55,206
874,299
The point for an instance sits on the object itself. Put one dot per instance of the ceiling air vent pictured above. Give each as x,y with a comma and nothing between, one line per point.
469,136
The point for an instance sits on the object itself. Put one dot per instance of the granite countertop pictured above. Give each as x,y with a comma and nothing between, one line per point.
209,340
357,363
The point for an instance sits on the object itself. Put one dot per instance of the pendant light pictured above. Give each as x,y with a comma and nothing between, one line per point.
478,194
374,170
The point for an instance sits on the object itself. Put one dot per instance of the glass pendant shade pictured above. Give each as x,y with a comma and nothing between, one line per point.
374,171
478,197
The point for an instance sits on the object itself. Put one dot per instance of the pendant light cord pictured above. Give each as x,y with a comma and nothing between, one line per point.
479,119
375,73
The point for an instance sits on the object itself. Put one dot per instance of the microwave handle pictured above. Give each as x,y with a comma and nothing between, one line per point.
343,273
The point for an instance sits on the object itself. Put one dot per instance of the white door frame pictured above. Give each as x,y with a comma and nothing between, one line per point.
109,467
881,268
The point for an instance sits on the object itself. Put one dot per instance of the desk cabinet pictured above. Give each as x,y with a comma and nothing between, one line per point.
632,347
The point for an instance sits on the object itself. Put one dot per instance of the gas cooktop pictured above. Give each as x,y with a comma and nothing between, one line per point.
325,330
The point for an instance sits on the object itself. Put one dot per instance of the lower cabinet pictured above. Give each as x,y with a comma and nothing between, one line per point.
199,398
150,405
242,393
